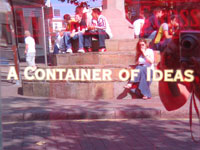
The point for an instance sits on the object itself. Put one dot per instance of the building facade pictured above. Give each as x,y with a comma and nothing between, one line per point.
30,15
57,24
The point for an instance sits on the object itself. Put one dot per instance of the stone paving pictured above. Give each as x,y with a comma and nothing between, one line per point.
60,128
20,108
100,135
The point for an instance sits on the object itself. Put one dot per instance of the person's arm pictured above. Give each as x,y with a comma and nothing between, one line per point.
166,34
101,24
166,31
149,56
141,25
98,27
154,22
83,30
83,26
26,48
73,29
73,33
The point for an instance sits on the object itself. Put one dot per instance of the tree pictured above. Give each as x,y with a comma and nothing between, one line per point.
77,2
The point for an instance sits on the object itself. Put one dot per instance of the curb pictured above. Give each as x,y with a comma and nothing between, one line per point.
76,115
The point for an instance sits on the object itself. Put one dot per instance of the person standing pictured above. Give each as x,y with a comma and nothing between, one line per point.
30,50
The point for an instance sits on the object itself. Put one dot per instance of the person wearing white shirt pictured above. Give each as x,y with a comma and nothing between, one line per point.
101,31
30,50
138,25
145,60
59,42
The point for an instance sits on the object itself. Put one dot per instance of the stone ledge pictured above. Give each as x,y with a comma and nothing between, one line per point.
80,90
93,58
83,114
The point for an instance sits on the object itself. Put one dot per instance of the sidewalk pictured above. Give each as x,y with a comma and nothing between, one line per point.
78,130
19,108
100,135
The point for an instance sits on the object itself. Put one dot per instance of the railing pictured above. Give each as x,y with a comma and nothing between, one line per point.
8,58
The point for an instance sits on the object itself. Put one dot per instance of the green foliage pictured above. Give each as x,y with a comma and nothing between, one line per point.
77,2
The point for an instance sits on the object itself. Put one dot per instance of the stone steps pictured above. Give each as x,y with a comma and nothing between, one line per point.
126,45
120,55
118,52
79,90
94,58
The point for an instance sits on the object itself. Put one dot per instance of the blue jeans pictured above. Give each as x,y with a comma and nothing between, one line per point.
152,35
141,79
56,49
100,34
160,46
80,38
68,40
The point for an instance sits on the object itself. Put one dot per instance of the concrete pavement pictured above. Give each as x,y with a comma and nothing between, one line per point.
20,108
59,124
100,135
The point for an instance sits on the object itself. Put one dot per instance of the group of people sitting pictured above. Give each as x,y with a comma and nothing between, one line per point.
159,27
160,32
83,28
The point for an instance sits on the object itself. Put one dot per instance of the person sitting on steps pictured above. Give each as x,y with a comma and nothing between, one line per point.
77,31
152,24
58,46
101,31
145,60
165,33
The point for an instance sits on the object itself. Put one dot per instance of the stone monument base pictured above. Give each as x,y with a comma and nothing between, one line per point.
120,54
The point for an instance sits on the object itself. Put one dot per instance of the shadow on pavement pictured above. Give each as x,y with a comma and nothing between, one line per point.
25,108
56,134
99,135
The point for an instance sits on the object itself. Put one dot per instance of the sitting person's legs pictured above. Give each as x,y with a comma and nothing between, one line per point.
30,59
56,49
160,46
163,44
67,41
100,34
152,35
141,79
80,38
88,38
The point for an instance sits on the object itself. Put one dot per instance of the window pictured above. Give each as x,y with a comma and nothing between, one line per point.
35,27
5,34
20,26
32,22
56,26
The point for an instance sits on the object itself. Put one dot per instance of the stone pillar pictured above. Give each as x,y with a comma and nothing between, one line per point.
114,11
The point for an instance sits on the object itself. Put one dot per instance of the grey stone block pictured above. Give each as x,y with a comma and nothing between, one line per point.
41,89
27,88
